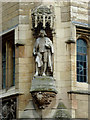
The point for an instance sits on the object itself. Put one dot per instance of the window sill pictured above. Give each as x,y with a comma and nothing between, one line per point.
10,92
79,92
82,86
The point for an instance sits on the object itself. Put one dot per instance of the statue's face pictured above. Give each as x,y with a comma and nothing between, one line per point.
42,33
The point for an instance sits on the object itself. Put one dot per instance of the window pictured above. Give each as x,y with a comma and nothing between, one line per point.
81,60
8,60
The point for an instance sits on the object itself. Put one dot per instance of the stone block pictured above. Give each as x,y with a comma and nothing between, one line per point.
65,25
30,114
49,113
29,42
11,9
5,25
73,96
65,9
28,51
82,11
82,86
25,77
24,87
80,4
57,76
63,49
63,84
9,5
30,106
74,9
41,83
25,60
65,17
23,11
63,66
64,75
63,58
16,69
82,105
73,113
62,113
24,27
67,32
74,104
82,97
82,17
23,34
81,114
21,51
23,19
73,49
25,68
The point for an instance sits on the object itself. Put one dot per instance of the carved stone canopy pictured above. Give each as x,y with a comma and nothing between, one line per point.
44,15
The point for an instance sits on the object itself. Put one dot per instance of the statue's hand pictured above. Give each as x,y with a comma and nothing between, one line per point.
34,53
46,45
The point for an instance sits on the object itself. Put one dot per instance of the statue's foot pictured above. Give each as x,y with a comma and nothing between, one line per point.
36,74
43,74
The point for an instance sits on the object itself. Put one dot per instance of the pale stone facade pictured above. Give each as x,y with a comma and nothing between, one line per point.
68,16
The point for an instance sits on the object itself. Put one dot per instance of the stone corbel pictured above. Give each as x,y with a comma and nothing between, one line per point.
71,40
43,91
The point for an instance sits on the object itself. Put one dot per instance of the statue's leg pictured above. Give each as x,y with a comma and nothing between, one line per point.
45,63
45,67
36,73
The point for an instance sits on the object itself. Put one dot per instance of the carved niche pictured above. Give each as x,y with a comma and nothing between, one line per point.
43,89
43,14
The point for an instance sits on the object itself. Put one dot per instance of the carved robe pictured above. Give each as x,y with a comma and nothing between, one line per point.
43,49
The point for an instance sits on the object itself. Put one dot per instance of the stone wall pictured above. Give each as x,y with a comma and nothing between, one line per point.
14,13
79,11
10,12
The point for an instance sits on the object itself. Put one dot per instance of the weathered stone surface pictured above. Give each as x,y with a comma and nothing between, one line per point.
62,112
41,83
43,90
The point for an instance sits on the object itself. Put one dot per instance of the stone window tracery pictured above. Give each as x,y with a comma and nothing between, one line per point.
8,60
82,61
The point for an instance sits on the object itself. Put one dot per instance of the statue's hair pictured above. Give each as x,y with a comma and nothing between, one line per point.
43,32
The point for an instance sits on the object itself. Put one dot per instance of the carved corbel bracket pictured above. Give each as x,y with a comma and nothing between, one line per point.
71,40
43,91
43,99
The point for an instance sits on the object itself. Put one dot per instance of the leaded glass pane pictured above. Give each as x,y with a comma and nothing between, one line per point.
81,60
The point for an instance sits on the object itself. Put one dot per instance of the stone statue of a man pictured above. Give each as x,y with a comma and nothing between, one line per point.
43,50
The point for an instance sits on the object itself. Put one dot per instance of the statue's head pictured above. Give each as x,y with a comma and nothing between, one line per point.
42,33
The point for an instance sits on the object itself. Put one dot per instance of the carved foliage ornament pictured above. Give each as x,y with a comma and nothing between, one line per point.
44,15
43,99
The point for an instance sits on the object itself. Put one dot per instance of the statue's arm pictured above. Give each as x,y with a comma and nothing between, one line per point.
35,48
49,44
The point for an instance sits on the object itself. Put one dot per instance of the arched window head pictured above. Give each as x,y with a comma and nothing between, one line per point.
81,60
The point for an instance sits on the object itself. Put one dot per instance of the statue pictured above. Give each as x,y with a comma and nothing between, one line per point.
43,51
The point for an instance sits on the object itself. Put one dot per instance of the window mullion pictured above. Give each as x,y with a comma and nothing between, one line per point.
6,65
